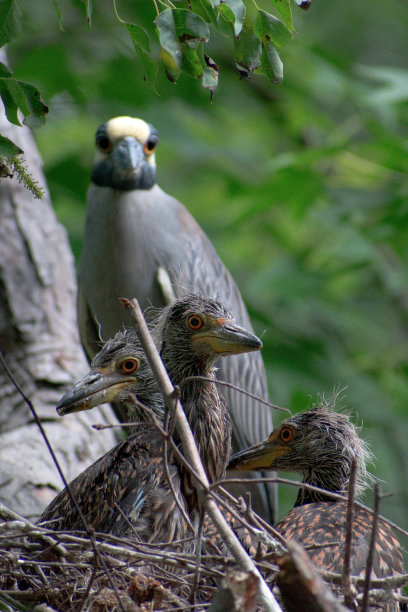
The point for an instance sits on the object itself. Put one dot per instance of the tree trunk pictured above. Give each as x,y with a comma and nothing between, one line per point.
40,342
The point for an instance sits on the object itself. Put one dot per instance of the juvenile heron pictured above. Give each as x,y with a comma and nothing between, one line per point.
195,331
320,444
140,242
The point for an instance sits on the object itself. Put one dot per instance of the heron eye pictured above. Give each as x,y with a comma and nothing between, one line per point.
286,434
129,365
104,144
195,322
150,146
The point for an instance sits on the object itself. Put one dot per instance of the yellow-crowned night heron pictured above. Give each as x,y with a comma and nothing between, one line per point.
141,242
320,444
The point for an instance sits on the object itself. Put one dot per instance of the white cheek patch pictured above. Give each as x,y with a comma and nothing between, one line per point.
120,127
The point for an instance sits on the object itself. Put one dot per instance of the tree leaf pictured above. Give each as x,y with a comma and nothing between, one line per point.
180,26
59,15
5,71
284,10
8,148
170,66
268,27
141,43
248,50
36,105
271,64
234,12
210,75
180,32
10,21
139,36
205,9
190,63
167,35
8,93
88,11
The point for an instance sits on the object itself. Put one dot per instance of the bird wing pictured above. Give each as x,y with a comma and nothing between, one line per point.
320,526
130,476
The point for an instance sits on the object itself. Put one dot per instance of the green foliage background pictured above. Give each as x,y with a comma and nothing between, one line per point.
302,188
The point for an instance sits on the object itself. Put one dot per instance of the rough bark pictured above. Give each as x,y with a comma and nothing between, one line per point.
40,342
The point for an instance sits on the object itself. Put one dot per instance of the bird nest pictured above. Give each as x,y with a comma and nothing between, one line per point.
73,571
45,570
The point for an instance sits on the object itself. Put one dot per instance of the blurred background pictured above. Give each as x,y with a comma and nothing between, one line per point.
302,188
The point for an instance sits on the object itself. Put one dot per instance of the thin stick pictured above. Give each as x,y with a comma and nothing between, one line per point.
346,583
190,449
370,557
224,383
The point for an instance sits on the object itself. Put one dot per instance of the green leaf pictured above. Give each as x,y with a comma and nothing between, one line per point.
8,148
268,27
284,10
138,35
271,64
191,64
180,26
7,90
19,95
180,32
59,15
248,50
170,66
88,11
167,35
141,43
210,75
36,105
5,71
205,9
234,12
10,21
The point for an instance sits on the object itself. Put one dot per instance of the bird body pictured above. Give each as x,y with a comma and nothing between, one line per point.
125,492
321,445
141,242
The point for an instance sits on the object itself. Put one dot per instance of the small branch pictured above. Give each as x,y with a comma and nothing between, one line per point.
190,449
348,590
224,383
301,586
370,557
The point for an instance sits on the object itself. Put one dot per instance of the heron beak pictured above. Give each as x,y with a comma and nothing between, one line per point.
225,338
128,155
94,389
262,456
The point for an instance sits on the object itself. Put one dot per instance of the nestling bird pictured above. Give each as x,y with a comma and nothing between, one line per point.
140,242
320,444
195,332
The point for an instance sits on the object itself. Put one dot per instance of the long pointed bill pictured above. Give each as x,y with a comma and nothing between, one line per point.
94,389
227,338
259,457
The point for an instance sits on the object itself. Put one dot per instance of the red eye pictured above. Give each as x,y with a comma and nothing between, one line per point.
195,322
150,146
129,365
103,143
286,434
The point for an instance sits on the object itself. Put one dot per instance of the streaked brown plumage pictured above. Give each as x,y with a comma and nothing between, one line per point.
195,332
321,444
141,242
